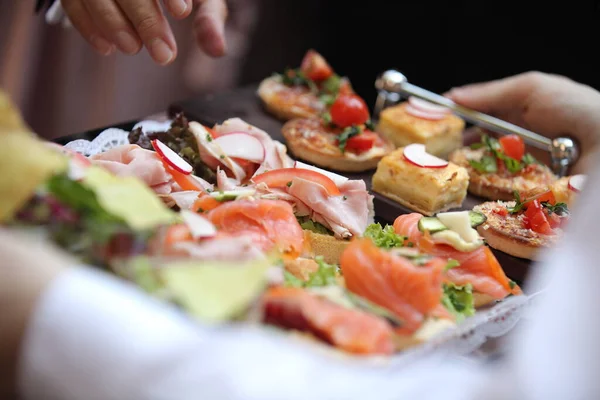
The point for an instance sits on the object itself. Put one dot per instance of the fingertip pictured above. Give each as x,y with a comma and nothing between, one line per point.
211,37
180,9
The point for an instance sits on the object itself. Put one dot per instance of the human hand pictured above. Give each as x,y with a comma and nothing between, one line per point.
550,105
127,25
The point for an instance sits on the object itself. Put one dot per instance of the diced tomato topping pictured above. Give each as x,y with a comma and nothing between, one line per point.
537,220
547,196
348,110
513,146
315,67
502,211
362,142
282,178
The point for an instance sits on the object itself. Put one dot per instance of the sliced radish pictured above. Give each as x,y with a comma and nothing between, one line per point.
338,179
200,227
172,158
577,182
427,107
417,112
416,154
242,145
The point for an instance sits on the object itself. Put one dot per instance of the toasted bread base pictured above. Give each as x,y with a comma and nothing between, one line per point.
326,246
507,244
287,103
308,140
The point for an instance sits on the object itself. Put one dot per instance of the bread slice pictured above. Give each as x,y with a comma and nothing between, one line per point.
507,233
326,246
497,186
440,137
287,102
309,140
425,190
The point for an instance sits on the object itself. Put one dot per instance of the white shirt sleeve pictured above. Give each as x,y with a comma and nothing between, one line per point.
96,337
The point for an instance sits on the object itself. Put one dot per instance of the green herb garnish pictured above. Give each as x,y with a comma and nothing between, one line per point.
560,209
347,134
487,164
370,125
518,203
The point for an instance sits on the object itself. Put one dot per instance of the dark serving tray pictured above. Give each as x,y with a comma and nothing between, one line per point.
245,104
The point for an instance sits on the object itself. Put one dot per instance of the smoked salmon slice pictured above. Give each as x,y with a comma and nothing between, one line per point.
480,267
351,330
271,223
412,292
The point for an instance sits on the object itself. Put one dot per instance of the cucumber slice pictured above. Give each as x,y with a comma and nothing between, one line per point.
476,218
431,224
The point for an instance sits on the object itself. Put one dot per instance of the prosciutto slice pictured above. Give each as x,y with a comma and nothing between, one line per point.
184,200
132,160
346,215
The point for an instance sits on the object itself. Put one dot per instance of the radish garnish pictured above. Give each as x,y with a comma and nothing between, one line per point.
242,145
338,179
577,182
417,112
427,107
200,227
171,158
416,154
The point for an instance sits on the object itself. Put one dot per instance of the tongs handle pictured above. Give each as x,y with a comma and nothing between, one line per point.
393,84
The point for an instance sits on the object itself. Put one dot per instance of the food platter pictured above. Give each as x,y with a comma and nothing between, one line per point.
211,109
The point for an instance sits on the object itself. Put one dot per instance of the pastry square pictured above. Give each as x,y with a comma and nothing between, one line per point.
425,190
440,137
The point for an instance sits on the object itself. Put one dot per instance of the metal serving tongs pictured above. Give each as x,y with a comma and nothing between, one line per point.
392,85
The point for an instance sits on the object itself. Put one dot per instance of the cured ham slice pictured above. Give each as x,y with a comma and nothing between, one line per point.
132,160
221,248
346,215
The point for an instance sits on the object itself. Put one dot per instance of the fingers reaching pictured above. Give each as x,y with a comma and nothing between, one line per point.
209,26
82,21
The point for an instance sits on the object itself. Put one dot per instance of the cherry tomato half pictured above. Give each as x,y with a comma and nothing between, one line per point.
348,110
513,146
315,67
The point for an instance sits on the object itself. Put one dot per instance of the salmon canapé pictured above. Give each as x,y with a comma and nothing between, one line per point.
479,267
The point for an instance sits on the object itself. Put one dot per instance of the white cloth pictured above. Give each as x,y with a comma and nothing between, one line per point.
95,337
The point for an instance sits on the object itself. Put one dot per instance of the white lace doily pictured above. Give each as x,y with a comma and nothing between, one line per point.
463,340
114,137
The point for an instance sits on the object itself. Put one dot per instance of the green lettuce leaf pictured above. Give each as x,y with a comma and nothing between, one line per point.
326,275
385,238
310,225
459,300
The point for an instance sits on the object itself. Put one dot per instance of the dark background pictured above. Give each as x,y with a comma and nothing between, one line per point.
436,44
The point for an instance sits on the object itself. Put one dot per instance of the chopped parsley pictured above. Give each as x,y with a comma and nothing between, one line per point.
494,152
385,238
345,198
208,137
288,184
512,284
559,209
326,116
346,134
